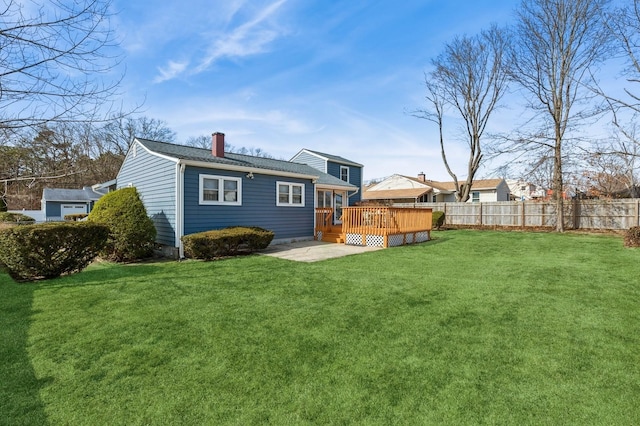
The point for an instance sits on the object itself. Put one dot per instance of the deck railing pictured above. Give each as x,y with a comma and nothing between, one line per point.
324,218
385,220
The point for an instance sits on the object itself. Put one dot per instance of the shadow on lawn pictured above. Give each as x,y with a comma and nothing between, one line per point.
20,401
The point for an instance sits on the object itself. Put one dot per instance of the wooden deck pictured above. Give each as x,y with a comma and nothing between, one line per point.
375,226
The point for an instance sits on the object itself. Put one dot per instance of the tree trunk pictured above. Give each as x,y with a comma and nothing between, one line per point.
558,190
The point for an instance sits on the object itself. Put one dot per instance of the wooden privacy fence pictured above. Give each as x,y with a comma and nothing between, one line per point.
578,214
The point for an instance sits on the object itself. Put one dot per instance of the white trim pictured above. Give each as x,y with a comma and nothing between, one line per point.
166,157
291,185
326,159
221,191
179,208
244,169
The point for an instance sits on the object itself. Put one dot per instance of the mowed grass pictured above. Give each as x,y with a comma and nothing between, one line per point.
471,328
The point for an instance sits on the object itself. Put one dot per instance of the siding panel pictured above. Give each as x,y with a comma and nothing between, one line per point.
258,206
154,178
311,160
355,178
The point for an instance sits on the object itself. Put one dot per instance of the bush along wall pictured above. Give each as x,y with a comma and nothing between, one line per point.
132,233
226,242
49,250
16,218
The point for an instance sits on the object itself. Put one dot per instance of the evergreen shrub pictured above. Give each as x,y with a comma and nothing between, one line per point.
131,232
16,217
49,250
226,242
75,217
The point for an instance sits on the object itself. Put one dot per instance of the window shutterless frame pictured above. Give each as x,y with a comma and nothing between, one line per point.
220,190
289,194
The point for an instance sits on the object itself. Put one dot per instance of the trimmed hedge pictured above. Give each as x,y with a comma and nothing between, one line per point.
226,242
49,250
132,233
15,217
75,217
632,237
437,219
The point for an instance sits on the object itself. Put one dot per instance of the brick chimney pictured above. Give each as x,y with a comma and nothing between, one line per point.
217,144
421,177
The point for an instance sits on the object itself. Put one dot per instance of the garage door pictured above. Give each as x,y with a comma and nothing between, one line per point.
73,209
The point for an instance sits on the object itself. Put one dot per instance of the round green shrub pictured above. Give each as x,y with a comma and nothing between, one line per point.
49,250
132,232
229,241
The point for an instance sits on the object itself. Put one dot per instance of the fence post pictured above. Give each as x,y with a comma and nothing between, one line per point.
522,217
638,212
480,213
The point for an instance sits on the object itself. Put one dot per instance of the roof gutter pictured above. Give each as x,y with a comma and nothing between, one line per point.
244,169
179,208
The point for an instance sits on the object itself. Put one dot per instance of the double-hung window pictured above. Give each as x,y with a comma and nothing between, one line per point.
222,190
289,194
344,173
475,197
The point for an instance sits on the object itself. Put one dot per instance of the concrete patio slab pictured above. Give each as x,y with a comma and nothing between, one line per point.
313,251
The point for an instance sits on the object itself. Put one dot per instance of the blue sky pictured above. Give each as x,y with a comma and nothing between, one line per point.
282,75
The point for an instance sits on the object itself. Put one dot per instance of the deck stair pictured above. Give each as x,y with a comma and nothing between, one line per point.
333,235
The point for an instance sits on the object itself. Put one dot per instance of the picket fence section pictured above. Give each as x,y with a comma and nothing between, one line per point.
578,214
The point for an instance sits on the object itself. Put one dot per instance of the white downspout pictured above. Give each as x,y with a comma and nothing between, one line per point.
180,207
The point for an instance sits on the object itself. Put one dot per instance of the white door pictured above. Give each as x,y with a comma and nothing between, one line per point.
337,212
72,209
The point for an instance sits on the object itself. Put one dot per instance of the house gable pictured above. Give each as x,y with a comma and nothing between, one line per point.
154,176
334,165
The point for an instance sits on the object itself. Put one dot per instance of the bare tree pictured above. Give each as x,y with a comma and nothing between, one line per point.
469,78
55,58
118,134
557,44
204,141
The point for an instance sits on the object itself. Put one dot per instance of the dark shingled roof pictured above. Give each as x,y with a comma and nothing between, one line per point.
335,158
69,195
205,155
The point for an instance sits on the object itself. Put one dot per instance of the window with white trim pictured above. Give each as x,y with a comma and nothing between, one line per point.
475,197
289,194
344,173
223,190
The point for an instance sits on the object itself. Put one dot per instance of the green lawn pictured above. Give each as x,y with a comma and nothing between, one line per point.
473,327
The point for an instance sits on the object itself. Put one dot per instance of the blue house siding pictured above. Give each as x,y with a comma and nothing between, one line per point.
52,209
311,160
355,177
155,179
258,206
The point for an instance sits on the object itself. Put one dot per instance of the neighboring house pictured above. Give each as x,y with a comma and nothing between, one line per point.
57,202
522,190
405,189
345,170
187,190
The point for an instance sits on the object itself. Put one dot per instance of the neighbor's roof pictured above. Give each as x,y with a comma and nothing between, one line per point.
330,157
388,194
205,155
69,195
477,185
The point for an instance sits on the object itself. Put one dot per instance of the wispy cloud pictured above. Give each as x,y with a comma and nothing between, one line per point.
250,38
172,70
